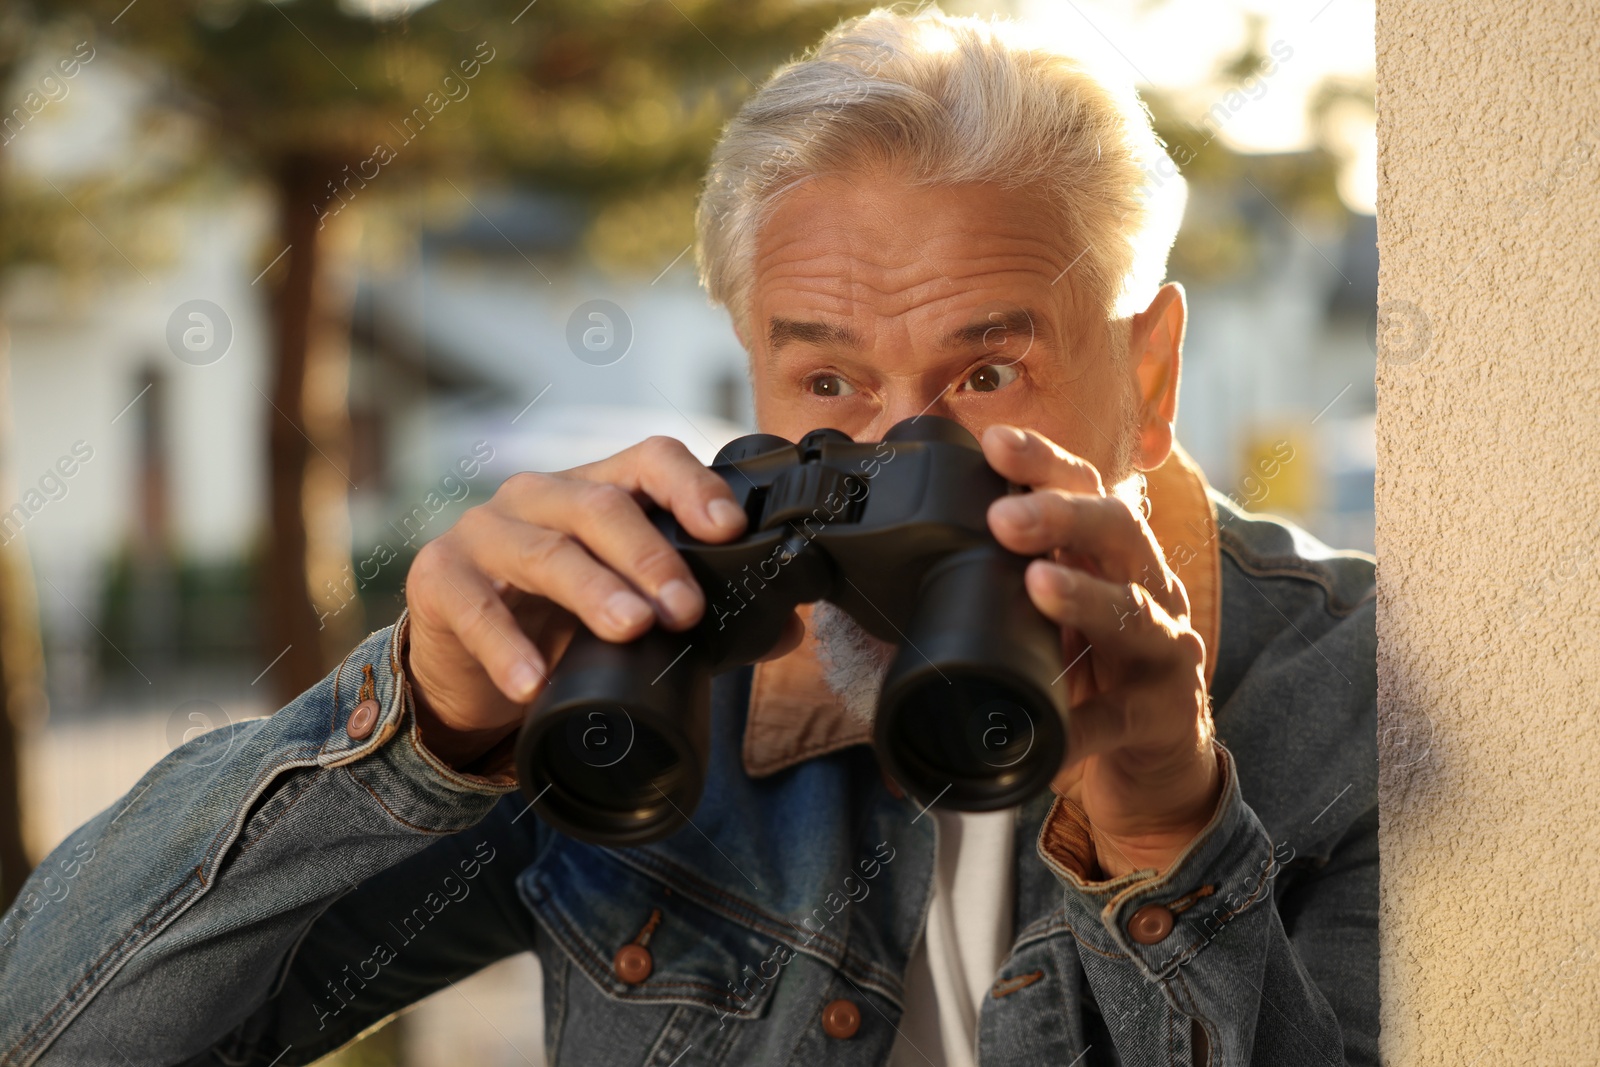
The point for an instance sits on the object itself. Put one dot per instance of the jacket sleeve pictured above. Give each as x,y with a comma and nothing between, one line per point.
1236,947
1258,946
265,891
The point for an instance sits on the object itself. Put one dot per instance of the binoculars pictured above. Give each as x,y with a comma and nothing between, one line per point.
895,533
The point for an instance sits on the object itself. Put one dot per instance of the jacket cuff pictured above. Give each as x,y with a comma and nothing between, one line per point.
389,757
497,766
1230,860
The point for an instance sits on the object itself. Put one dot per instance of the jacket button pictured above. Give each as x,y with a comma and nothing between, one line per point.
841,1019
362,720
633,963
1150,924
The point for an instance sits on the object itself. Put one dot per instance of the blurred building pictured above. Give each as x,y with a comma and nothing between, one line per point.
145,555
1284,353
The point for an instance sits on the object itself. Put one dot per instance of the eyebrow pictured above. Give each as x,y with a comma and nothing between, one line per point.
1018,321
783,331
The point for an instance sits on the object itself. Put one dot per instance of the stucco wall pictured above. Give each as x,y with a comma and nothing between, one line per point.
1489,530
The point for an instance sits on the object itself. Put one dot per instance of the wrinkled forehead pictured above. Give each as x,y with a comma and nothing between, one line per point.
839,255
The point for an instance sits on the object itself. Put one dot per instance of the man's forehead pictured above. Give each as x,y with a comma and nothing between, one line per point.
959,265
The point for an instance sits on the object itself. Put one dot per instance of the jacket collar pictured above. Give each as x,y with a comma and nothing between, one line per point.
795,716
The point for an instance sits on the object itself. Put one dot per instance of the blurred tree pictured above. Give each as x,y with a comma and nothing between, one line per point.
21,662
47,224
611,99
1227,188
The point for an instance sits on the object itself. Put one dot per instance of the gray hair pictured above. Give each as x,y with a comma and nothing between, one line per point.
951,100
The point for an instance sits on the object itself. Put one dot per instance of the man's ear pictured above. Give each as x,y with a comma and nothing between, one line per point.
1155,357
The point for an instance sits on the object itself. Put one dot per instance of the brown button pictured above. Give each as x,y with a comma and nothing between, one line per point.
841,1019
1150,924
362,720
633,963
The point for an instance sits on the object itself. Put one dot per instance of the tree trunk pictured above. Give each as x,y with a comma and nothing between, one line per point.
21,674
14,865
21,701
308,440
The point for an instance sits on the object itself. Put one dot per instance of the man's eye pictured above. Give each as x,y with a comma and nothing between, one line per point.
831,385
988,378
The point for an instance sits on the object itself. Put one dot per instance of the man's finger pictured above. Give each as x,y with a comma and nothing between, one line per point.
1042,521
664,470
1103,529
482,623
549,563
607,521
1124,620
1029,458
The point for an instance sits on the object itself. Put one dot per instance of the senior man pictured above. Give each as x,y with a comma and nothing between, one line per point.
926,215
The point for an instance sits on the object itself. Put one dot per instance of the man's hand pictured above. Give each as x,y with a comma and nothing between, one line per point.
494,600
1140,760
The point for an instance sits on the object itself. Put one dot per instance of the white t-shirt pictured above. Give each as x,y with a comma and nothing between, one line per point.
964,944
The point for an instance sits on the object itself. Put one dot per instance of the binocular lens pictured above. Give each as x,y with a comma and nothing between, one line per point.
974,741
969,712
614,752
604,770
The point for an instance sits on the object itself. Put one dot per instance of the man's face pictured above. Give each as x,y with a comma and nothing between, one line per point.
875,301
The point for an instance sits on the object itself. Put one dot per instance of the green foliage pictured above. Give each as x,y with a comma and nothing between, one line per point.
577,91
615,101
1230,192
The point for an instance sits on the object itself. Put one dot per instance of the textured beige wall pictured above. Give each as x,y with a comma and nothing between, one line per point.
1489,530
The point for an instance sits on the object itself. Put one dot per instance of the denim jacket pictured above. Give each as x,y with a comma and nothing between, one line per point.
266,893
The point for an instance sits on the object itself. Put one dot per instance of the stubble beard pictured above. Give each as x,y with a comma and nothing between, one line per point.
853,661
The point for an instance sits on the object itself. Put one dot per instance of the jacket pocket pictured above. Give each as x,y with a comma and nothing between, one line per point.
640,943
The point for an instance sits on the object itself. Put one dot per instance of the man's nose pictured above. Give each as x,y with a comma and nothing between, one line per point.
908,403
